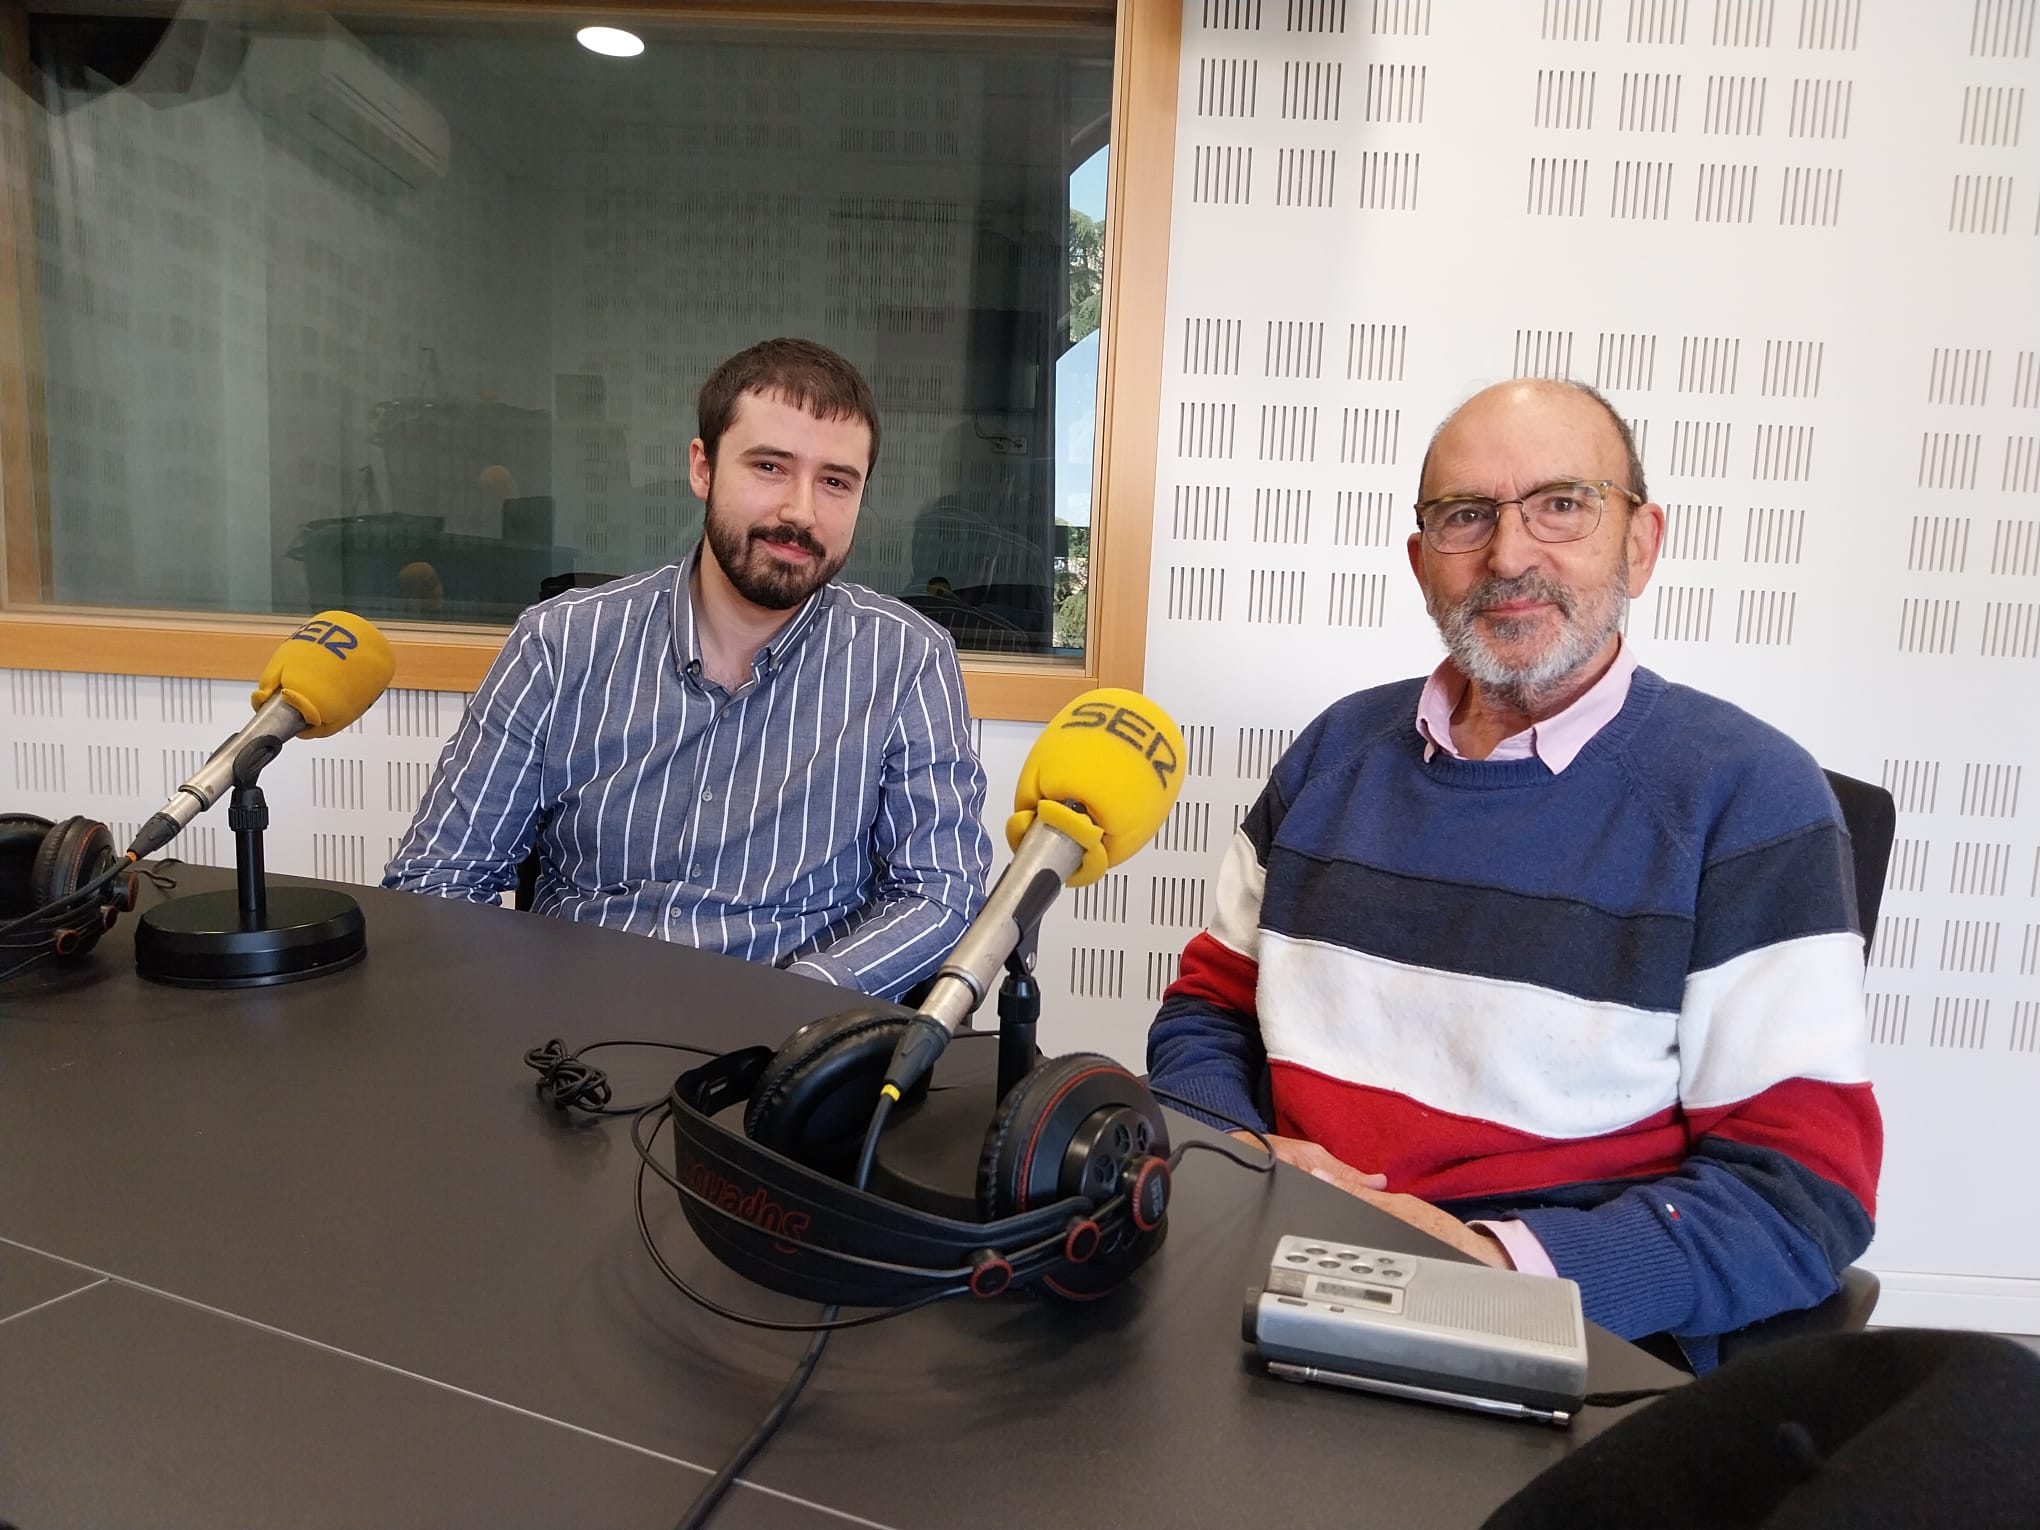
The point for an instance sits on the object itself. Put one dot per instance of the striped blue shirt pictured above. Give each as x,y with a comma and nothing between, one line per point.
824,817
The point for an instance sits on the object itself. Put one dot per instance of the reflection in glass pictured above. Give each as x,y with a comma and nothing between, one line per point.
408,316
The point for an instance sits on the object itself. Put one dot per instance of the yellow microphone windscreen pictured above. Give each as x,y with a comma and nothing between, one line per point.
1113,756
331,669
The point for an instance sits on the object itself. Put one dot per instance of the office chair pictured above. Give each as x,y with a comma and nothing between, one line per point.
1872,821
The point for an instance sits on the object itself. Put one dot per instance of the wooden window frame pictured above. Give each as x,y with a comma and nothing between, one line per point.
1146,57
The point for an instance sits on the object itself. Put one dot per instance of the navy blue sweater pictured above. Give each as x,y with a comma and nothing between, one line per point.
1622,1003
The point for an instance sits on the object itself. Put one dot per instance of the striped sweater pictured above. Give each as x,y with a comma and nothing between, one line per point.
1623,1003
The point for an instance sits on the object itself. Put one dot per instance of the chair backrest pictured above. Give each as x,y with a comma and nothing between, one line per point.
1871,817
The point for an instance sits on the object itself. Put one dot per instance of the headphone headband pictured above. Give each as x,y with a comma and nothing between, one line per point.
795,1230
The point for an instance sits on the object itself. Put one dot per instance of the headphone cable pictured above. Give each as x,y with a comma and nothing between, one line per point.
39,952
712,1495
77,898
42,928
567,1082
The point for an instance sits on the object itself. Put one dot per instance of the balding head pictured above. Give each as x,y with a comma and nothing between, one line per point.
1553,405
1533,613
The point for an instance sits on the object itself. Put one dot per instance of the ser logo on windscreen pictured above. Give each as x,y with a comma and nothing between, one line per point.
331,636
1125,723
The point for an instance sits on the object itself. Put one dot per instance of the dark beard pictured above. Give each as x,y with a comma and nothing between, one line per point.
758,576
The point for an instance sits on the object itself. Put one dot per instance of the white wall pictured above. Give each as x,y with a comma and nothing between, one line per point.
1796,242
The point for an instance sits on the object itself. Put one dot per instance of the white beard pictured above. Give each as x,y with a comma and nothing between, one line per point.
1587,622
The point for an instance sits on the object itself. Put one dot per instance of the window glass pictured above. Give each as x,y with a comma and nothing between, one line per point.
408,317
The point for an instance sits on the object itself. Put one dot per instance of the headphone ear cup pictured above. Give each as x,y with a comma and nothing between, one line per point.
74,853
1023,1166
816,1096
1078,1126
21,841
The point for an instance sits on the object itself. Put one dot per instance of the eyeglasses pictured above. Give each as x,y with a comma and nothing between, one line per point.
1558,512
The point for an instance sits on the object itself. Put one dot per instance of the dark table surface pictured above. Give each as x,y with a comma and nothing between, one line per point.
314,1255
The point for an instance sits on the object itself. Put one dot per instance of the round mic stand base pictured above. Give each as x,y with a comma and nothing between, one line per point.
200,941
256,934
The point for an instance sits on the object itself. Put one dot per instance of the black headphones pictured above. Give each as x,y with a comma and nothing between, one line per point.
1072,1181
42,863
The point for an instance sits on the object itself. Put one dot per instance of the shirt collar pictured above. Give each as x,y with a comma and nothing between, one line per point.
1557,740
687,631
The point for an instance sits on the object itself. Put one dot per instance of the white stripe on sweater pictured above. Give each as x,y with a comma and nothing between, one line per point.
1236,899
1793,1010
1510,1053
1553,1065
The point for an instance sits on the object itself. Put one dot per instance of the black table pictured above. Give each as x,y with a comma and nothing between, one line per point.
313,1255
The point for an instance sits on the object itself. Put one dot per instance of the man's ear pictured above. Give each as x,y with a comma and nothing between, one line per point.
1646,534
700,469
1416,551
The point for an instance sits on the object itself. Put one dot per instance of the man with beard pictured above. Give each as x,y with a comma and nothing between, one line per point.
1544,955
737,752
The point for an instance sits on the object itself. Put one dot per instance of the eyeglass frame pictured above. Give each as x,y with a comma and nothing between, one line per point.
1604,485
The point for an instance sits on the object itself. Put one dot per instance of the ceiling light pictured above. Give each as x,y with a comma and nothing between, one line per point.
612,41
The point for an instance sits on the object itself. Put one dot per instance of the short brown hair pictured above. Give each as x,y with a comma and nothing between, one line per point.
799,372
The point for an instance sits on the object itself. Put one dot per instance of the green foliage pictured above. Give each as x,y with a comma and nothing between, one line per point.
1087,272
1072,587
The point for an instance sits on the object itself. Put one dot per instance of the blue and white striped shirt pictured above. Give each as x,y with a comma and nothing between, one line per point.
825,816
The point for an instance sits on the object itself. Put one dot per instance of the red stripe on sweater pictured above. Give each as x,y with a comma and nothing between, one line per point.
1831,1129
1835,1130
1439,1156
1217,974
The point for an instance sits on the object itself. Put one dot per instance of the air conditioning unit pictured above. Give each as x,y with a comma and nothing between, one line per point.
332,95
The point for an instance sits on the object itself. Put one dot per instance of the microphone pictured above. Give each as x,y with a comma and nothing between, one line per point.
322,677
1095,788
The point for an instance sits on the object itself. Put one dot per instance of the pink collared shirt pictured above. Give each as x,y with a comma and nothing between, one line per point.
1557,741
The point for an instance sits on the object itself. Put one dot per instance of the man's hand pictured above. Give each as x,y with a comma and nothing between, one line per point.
1373,1188
1314,1160
1441,1225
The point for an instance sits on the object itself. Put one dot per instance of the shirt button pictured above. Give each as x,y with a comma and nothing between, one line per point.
694,871
707,795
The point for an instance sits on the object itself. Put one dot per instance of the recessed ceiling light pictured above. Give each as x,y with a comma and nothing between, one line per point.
613,41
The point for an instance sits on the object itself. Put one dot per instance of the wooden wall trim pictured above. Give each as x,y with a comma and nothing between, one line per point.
1142,178
428,658
221,649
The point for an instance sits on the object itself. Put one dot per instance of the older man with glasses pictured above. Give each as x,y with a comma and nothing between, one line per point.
1544,954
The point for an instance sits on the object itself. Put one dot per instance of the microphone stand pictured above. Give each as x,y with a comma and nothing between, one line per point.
248,816
928,1157
256,935
1019,1012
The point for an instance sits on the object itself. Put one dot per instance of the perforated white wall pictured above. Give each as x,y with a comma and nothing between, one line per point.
1794,240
